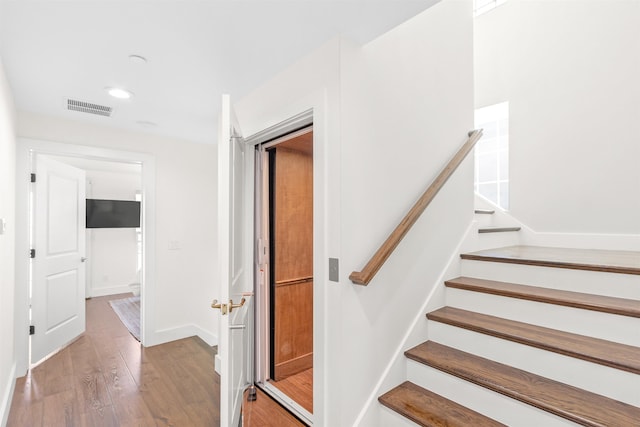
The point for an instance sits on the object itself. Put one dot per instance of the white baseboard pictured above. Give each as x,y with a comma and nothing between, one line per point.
7,396
111,290
185,331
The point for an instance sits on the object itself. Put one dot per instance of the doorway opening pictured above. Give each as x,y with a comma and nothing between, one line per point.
26,150
104,255
284,262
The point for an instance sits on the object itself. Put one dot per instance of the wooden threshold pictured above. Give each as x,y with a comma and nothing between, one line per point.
605,304
626,262
429,409
607,353
572,403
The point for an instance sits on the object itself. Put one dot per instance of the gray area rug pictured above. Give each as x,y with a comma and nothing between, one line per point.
128,310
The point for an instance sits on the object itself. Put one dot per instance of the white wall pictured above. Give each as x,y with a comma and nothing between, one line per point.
407,101
185,213
113,251
7,245
569,70
397,110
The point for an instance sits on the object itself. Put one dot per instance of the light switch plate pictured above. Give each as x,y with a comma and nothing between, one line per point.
3,225
334,269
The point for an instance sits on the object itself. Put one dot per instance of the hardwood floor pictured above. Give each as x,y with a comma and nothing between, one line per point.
106,378
265,412
299,387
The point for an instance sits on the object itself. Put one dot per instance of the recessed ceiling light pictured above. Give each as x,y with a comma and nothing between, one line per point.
137,59
119,93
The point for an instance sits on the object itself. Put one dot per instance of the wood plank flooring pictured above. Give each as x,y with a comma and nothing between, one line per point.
106,378
266,412
299,387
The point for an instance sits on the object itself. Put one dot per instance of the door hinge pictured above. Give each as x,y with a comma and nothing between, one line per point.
33,177
32,253
32,330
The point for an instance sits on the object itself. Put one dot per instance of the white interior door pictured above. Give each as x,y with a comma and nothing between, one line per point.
235,268
58,286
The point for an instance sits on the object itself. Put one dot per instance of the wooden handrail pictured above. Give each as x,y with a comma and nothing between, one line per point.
378,259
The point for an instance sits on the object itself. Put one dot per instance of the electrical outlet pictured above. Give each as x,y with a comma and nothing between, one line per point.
174,245
3,225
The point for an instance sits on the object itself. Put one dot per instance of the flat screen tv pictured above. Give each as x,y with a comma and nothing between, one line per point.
112,213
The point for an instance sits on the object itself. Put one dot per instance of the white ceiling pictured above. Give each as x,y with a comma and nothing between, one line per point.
196,50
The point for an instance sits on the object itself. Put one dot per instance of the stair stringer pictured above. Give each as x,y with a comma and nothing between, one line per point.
395,372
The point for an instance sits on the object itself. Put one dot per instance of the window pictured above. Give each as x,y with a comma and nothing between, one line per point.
484,6
491,179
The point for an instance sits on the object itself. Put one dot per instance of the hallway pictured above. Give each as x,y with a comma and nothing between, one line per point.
105,378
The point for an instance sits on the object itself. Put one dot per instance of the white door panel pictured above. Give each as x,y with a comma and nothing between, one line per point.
235,282
58,307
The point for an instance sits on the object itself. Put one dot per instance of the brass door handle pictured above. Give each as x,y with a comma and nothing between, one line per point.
232,305
222,307
227,308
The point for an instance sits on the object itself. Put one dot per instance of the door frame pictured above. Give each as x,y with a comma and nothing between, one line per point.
263,353
25,147
314,114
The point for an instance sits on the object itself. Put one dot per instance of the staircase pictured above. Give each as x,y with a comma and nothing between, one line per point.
531,337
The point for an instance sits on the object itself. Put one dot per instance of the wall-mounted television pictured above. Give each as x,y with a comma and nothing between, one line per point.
112,213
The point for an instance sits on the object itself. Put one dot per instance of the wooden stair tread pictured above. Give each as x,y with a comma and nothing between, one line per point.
613,305
627,262
429,409
607,353
572,403
497,229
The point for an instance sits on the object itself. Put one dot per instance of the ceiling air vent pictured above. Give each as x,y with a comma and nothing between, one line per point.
88,107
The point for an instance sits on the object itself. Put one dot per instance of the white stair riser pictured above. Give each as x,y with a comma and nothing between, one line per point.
390,418
610,382
606,326
493,405
589,282
479,241
484,220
